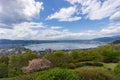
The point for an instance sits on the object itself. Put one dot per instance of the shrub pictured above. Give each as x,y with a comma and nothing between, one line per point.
3,70
58,58
30,76
89,55
109,54
117,69
95,74
36,65
58,74
4,59
83,64
14,65
26,77
27,56
71,66
75,55
17,61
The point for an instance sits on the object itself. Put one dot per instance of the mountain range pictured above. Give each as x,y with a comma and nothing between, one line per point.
103,39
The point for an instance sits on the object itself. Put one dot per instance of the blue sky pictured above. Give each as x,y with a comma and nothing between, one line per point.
59,19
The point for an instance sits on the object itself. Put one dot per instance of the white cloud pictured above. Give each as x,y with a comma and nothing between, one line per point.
2,25
115,16
25,30
17,17
31,30
56,27
65,14
97,9
113,29
18,11
75,18
74,1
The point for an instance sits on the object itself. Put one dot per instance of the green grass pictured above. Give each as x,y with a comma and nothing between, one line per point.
110,65
29,76
6,79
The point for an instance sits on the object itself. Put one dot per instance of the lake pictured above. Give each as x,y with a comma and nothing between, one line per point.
63,45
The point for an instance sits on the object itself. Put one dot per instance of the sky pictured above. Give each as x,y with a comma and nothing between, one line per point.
59,19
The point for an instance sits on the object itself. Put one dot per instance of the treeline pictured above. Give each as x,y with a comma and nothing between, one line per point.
29,62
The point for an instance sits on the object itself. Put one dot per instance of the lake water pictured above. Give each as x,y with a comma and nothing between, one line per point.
63,46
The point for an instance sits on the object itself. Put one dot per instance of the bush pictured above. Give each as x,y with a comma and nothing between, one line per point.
58,58
36,65
89,55
109,54
27,56
71,66
75,55
26,77
14,66
117,69
95,74
3,70
4,59
58,74
83,64
30,76
17,61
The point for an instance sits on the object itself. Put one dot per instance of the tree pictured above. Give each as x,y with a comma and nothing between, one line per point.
75,55
3,70
109,54
17,61
58,58
88,55
36,65
4,59
15,65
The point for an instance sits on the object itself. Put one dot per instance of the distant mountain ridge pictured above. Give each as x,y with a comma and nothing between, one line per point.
103,39
7,41
107,39
116,42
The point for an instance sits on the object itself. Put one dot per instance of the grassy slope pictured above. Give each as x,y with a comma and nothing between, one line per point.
110,65
106,66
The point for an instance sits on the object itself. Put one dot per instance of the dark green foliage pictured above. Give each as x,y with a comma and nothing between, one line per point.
75,55
58,58
85,64
117,69
4,59
30,76
4,66
116,41
71,66
17,61
109,53
58,74
95,74
26,77
27,56
88,55
91,55
3,70
15,65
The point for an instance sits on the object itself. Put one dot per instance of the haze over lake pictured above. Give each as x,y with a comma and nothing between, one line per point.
63,45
